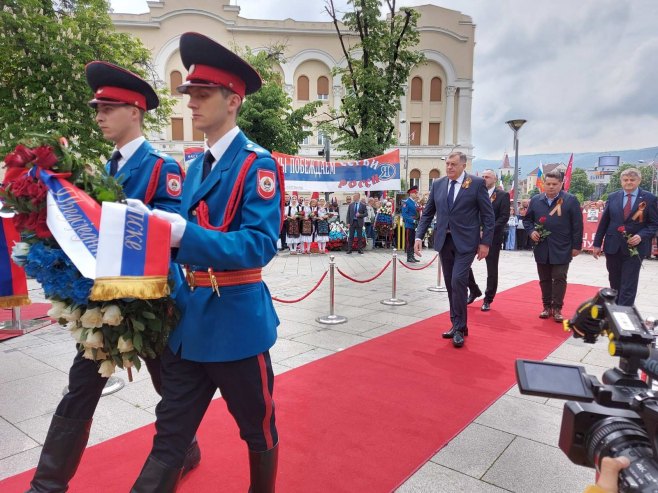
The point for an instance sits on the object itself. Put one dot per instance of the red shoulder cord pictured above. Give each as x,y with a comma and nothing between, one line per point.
155,178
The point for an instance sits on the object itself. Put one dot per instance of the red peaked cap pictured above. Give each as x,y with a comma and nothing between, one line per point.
212,65
116,85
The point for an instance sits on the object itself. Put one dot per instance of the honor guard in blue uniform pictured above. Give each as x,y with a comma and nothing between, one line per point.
226,232
410,218
120,98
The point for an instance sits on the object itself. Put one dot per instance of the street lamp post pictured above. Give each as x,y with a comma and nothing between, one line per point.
516,125
406,157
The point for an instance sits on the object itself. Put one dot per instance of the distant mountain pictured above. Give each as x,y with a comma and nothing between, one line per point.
580,160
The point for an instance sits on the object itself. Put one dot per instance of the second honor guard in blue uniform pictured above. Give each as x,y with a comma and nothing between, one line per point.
410,218
226,232
120,98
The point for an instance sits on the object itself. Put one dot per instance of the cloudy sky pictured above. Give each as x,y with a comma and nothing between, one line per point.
584,73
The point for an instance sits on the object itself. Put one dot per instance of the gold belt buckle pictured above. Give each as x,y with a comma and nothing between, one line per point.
213,282
190,279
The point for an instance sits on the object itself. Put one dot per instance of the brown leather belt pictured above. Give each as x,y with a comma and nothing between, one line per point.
215,280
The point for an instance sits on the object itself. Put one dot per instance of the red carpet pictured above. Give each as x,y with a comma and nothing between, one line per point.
363,419
28,312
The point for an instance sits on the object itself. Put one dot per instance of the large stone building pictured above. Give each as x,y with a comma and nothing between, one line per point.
436,111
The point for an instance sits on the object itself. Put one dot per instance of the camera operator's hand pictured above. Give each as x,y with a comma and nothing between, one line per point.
609,477
596,252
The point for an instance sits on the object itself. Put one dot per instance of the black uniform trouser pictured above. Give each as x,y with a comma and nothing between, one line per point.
86,386
455,267
187,389
492,274
553,284
409,241
282,234
623,273
354,228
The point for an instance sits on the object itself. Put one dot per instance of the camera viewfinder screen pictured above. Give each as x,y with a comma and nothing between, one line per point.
552,379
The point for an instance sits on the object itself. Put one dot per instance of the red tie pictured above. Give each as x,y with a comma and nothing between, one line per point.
627,207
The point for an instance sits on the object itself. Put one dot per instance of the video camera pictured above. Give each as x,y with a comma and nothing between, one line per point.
613,418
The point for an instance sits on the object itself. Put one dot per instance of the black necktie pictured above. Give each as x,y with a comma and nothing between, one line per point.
451,194
208,159
114,162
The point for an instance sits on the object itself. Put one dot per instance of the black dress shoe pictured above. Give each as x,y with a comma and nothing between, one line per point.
486,306
473,296
458,339
361,252
451,333
348,252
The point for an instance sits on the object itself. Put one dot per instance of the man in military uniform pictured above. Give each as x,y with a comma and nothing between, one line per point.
230,220
554,222
120,98
410,218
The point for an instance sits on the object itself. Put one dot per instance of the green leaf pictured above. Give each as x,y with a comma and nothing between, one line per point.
137,341
138,326
148,315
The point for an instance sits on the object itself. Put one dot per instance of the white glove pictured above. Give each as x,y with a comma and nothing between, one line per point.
178,224
138,205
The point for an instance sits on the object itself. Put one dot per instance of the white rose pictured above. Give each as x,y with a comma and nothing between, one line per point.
69,314
19,253
112,315
125,345
77,334
56,309
94,339
88,354
92,319
127,363
72,326
107,368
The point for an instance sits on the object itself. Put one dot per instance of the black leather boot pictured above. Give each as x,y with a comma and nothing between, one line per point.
192,457
61,454
262,468
156,477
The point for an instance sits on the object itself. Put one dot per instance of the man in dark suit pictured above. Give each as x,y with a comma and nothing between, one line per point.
554,222
500,203
629,221
355,214
461,205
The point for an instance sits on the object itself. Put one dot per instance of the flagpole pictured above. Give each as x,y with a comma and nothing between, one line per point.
516,125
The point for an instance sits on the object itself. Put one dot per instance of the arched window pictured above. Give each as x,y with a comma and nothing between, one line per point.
414,178
435,174
302,88
416,89
435,89
175,80
323,88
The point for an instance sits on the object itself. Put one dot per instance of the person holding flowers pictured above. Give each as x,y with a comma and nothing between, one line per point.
554,222
628,223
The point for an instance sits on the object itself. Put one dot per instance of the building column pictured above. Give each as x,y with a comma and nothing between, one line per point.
338,94
403,130
290,90
464,117
449,122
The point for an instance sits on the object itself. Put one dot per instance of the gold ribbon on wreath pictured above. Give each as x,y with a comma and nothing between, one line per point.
639,214
557,208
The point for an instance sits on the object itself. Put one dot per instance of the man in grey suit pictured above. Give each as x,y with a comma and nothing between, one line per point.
462,208
355,214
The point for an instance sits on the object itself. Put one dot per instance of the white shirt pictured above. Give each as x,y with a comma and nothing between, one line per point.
222,144
458,185
128,150
490,191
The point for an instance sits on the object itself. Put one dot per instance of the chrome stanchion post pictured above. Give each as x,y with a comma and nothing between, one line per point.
25,326
438,288
393,300
331,319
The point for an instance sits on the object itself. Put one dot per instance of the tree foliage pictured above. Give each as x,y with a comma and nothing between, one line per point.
615,179
379,59
580,185
267,116
44,47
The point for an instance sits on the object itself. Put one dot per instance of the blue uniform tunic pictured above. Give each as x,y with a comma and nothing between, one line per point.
241,322
409,213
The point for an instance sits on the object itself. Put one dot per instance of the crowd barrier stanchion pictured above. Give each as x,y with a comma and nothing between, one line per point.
393,300
438,288
23,326
331,319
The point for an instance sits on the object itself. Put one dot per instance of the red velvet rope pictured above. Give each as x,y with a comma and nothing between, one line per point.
317,285
418,268
365,280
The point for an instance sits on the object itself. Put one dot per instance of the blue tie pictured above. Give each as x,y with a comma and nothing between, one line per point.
451,194
114,162
208,159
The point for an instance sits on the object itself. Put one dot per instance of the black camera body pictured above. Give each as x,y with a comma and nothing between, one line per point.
613,418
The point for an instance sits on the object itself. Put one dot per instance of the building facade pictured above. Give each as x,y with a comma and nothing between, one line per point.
435,118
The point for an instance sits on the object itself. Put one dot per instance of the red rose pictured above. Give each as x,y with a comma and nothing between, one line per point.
621,229
19,157
37,191
20,186
542,219
41,228
46,157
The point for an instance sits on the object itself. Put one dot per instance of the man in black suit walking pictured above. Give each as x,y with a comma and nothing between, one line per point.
501,204
462,206
554,222
355,214
628,223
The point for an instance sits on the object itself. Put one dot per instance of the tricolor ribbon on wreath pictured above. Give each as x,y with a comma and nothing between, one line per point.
13,283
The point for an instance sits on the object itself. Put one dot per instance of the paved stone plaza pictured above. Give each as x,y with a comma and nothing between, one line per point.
512,446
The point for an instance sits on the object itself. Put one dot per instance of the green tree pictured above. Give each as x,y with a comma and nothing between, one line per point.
379,50
615,179
267,116
44,47
533,192
580,185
